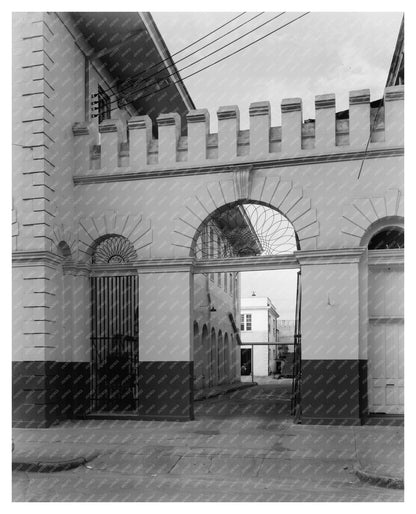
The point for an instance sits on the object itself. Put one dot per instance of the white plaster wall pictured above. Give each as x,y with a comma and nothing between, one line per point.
331,188
259,332
330,311
165,317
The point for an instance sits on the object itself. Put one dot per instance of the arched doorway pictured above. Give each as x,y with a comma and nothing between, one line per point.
114,326
385,344
239,232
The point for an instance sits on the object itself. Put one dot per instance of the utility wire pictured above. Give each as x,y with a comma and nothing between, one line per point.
185,48
144,79
138,90
222,59
369,138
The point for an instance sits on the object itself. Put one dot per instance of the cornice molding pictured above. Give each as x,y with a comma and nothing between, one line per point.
207,167
35,258
228,112
198,116
252,263
329,256
143,266
259,109
325,101
381,320
291,105
394,257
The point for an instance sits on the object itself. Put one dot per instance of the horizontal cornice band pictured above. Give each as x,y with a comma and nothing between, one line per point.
35,258
390,257
206,167
336,256
255,263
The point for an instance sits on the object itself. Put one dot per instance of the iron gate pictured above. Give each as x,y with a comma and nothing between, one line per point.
297,356
114,343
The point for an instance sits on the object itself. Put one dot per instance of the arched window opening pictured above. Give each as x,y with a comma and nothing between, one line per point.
388,238
64,251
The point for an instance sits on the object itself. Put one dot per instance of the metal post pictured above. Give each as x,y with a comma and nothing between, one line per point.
252,363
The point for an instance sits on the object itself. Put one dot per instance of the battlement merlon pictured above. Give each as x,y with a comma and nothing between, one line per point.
364,127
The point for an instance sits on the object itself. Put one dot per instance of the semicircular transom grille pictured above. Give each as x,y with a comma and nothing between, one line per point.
114,250
243,230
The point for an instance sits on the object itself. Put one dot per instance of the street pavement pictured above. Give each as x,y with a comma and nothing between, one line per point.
242,447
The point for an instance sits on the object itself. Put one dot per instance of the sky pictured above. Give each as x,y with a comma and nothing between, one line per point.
323,52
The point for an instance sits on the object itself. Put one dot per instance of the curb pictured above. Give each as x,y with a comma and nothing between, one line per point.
379,480
45,466
213,394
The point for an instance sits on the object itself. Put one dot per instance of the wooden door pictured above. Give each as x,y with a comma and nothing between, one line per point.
386,341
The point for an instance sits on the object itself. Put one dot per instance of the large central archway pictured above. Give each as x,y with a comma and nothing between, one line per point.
235,232
245,187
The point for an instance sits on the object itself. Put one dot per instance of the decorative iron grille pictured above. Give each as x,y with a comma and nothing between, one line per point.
115,250
114,343
245,229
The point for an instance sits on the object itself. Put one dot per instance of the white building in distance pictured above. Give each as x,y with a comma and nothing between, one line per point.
258,330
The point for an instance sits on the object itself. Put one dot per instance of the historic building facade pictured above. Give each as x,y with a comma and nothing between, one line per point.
258,324
106,226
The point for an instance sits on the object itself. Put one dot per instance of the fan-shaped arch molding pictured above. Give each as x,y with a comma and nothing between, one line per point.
363,213
246,186
96,228
113,249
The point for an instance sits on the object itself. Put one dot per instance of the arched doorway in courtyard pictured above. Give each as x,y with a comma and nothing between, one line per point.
236,239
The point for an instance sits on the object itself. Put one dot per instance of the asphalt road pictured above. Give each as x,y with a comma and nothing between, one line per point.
242,447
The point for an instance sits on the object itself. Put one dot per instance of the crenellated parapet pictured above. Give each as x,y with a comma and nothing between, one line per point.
362,127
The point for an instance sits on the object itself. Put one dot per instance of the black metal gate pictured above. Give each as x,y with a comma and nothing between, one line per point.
297,356
114,343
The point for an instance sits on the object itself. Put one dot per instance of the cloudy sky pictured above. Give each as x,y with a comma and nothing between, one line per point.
324,52
320,53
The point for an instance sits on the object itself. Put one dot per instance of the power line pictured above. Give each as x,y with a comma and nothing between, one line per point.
185,48
369,139
222,59
144,79
139,89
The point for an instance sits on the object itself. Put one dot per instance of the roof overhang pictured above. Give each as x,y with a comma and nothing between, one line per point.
131,48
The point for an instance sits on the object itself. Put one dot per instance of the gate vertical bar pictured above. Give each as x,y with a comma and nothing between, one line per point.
297,356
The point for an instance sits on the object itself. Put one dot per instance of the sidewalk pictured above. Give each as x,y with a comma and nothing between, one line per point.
242,446
374,453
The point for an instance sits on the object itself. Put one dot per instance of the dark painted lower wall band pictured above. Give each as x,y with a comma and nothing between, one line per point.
45,393
166,389
334,391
